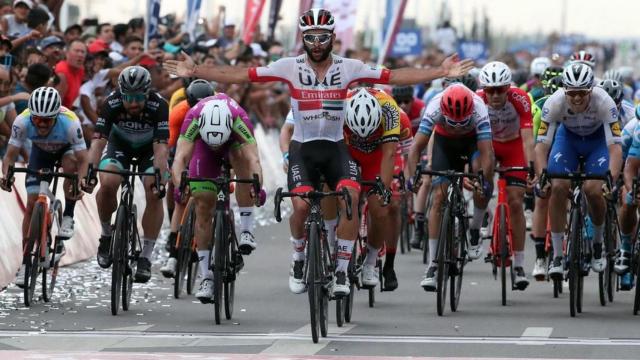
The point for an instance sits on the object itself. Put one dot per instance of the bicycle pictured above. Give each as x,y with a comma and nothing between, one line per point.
125,241
41,248
406,215
225,261
501,248
578,249
635,256
319,267
607,280
186,252
451,253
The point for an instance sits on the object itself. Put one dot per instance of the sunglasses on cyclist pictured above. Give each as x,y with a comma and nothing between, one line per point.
312,38
42,120
496,89
575,93
134,97
457,124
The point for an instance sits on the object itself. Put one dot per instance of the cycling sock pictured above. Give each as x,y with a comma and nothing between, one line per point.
330,225
625,242
372,255
598,232
478,216
539,242
389,259
298,249
433,247
246,219
556,240
106,228
345,247
203,263
147,248
69,207
518,259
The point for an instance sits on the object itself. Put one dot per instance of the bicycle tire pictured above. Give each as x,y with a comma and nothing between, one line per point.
575,255
184,251
32,254
313,280
504,251
404,223
48,286
230,274
460,261
130,258
118,253
425,250
218,264
193,272
442,259
611,256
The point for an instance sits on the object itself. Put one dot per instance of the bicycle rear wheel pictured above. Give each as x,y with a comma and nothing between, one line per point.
443,254
636,300
184,250
460,258
575,260
218,264
230,275
313,280
118,254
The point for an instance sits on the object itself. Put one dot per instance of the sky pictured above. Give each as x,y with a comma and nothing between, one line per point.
594,18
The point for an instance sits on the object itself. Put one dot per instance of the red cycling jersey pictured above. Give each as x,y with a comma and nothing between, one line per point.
515,115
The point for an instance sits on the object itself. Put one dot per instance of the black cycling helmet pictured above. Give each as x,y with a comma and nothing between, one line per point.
187,80
552,85
402,92
551,72
198,90
467,80
134,79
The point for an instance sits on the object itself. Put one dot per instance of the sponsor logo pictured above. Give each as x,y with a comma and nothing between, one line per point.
391,115
17,132
309,80
614,113
523,100
324,115
615,128
321,95
295,173
545,112
543,129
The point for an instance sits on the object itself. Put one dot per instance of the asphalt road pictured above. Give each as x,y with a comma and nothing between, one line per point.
270,322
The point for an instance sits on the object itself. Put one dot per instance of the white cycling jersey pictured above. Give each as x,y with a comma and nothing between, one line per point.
600,111
318,106
627,112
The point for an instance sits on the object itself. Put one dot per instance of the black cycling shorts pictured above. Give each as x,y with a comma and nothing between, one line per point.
120,155
452,153
39,160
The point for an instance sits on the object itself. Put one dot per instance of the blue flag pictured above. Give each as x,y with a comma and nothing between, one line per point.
193,12
153,19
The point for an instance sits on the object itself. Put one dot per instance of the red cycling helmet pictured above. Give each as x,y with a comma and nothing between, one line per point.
457,102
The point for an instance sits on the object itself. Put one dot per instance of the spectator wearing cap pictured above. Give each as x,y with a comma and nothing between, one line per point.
38,75
52,48
15,25
73,32
38,22
71,72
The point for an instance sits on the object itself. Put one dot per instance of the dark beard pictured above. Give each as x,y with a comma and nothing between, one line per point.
323,57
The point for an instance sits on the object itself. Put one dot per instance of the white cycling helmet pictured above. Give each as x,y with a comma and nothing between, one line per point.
612,74
45,101
538,65
578,76
316,18
583,57
495,73
215,123
364,113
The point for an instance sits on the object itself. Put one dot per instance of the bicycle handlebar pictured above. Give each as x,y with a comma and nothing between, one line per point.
377,187
43,173
223,181
92,180
312,195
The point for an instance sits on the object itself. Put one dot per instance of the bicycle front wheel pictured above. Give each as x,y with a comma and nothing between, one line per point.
32,253
119,254
130,263
48,285
504,251
314,289
636,300
575,260
443,254
460,257
230,275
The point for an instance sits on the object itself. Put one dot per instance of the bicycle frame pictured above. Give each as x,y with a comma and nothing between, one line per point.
501,206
